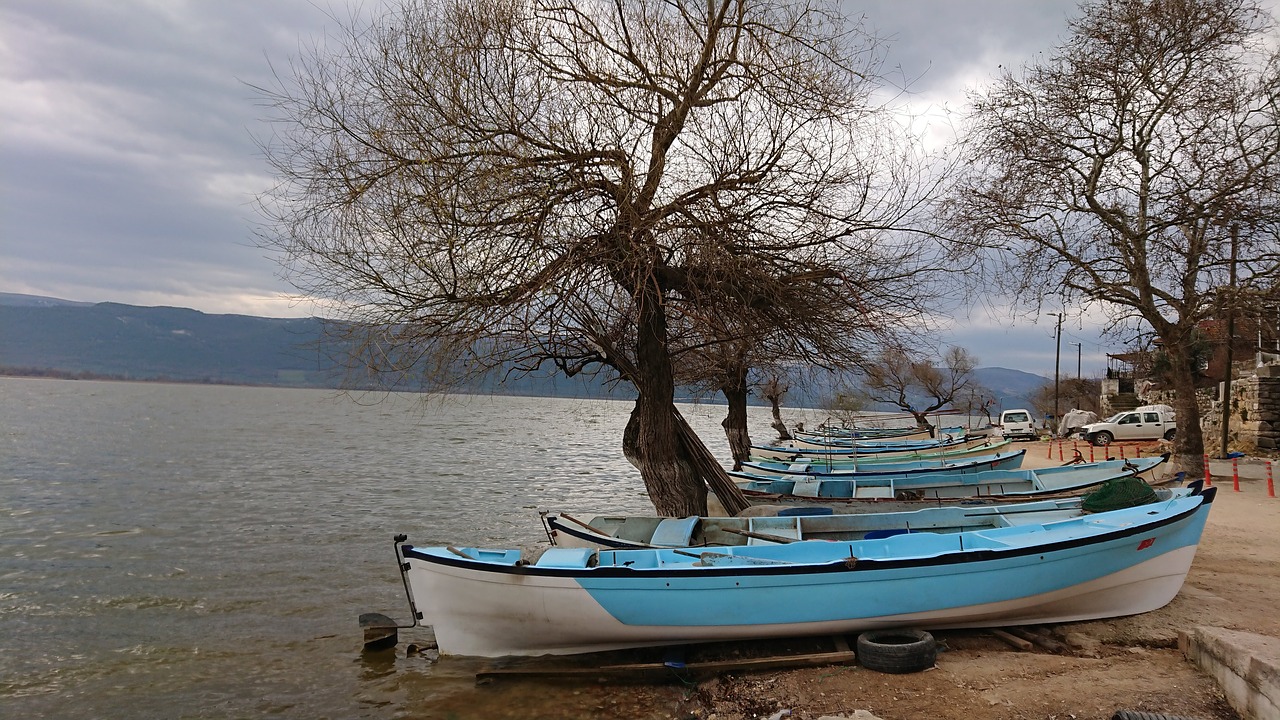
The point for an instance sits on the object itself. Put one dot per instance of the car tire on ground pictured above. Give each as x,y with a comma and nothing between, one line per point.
1169,435
901,650
1103,438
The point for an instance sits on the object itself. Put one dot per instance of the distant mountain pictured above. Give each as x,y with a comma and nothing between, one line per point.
148,343
51,337
48,336
17,300
1009,388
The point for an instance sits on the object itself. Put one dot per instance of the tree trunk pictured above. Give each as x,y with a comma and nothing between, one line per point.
735,422
1188,442
922,422
731,498
651,440
774,393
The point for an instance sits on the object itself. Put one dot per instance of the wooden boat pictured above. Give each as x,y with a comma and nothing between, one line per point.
821,441
770,469
790,525
494,602
828,434
789,451
1006,483
836,463
900,433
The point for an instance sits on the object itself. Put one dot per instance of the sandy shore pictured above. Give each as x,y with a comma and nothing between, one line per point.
1126,663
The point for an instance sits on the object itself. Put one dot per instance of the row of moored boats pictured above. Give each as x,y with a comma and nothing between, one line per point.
971,540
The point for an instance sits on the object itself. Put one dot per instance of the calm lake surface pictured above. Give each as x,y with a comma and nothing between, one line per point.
205,551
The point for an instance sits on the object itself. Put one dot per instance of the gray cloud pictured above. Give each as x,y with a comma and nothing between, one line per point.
127,158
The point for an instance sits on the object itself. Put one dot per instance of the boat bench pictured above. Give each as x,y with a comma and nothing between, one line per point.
674,532
557,557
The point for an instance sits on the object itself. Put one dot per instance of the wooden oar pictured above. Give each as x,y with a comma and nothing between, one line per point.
576,521
711,558
760,536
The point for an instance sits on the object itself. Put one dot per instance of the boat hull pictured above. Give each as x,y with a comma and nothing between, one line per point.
916,449
1064,571
977,463
943,485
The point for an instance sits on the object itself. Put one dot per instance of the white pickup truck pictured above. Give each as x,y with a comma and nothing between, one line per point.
1149,422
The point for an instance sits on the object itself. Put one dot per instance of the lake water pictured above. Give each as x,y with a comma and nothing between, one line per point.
205,551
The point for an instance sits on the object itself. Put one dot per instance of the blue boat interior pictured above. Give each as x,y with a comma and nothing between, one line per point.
808,539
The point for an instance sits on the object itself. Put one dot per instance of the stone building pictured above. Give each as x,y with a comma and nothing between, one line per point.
1253,411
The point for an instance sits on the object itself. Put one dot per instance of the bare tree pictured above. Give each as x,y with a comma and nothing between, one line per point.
847,404
919,385
495,184
1136,168
775,390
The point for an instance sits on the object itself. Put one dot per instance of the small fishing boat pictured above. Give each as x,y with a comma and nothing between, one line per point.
790,525
898,433
787,451
944,485
898,468
836,463
821,441
495,602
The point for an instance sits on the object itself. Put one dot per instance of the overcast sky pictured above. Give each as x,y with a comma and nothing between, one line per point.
128,159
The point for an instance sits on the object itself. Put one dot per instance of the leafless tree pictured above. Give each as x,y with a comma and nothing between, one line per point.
482,185
919,385
1137,168
775,390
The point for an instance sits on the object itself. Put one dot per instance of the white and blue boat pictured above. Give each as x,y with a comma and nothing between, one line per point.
943,485
823,441
899,433
810,469
792,524
794,449
967,449
495,602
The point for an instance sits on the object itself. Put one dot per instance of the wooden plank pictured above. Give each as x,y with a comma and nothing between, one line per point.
1045,642
1011,640
839,657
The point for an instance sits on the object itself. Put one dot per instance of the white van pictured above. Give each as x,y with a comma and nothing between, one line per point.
1018,423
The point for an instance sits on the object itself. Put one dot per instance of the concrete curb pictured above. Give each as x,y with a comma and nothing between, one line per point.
1246,666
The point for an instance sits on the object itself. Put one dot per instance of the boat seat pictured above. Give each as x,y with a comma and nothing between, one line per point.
674,532
807,488
786,527
873,488
873,491
566,557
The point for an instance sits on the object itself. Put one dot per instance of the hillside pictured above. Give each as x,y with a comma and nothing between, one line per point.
47,336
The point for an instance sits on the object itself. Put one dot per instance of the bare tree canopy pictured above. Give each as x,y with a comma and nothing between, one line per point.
481,184
918,384
1136,168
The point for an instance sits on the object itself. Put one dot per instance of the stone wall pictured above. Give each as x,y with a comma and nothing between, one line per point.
1254,414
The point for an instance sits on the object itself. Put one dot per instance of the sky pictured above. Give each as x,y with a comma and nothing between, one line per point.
129,154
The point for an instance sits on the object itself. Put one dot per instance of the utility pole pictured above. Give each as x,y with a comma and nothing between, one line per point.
1079,377
1231,332
1057,360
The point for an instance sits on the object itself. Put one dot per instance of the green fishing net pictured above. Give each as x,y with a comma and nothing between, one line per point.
1119,493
